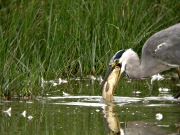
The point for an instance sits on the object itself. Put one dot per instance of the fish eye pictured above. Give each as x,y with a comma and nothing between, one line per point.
119,65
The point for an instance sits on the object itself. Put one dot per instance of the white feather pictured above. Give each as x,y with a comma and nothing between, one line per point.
128,56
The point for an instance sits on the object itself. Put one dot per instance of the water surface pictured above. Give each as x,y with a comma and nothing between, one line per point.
76,107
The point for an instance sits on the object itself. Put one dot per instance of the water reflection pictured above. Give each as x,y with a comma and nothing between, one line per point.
76,108
87,115
111,121
116,126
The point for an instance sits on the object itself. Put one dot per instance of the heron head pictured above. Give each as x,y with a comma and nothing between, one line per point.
112,76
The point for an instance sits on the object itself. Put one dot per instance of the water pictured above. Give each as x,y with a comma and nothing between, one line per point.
76,108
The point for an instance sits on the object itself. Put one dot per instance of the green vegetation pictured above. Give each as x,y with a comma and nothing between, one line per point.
65,38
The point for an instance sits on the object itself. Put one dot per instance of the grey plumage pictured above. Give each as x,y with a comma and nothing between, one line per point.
159,53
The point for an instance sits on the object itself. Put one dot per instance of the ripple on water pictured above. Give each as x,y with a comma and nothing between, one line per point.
97,101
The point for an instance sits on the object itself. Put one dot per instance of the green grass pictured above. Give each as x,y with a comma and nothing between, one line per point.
66,38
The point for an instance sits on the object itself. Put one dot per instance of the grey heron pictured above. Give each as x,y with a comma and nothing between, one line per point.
159,53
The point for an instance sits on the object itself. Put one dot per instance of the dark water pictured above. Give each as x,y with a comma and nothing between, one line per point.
76,108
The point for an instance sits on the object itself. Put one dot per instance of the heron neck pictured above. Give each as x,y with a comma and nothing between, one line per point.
133,71
137,69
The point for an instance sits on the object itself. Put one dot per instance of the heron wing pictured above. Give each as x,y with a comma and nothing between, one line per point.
164,46
168,52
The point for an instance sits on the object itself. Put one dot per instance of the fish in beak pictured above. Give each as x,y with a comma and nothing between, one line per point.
110,81
112,77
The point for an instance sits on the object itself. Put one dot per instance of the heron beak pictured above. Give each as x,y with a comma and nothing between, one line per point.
110,81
